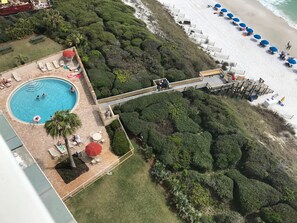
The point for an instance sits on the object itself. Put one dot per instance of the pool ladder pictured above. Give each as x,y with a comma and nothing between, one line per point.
34,86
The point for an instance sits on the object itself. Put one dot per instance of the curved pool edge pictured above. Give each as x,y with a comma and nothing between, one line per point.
22,84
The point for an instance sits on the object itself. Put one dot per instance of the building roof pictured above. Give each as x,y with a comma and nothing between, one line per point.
22,203
44,191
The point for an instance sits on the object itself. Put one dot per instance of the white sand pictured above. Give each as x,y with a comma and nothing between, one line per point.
249,56
143,13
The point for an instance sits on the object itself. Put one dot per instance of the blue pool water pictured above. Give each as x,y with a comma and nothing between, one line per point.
24,105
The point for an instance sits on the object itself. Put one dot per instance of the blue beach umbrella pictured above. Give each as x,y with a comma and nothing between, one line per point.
224,10
257,36
217,6
249,30
236,19
292,61
264,42
230,15
273,49
242,25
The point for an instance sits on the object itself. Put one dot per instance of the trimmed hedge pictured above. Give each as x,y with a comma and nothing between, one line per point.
119,143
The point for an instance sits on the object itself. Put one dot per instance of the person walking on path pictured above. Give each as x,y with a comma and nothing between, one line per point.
288,46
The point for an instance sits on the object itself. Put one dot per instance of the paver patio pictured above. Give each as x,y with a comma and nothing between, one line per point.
34,136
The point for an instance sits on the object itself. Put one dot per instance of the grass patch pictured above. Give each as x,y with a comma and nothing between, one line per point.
128,195
175,34
67,173
30,51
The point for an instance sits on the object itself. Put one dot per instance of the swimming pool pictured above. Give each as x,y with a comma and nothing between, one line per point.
24,104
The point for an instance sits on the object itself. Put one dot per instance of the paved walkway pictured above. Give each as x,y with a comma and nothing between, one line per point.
212,80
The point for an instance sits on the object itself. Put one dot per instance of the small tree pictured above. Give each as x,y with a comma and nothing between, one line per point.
63,124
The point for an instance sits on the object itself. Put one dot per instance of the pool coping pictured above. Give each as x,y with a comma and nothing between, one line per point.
43,77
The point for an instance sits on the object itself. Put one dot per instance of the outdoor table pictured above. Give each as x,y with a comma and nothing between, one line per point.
96,136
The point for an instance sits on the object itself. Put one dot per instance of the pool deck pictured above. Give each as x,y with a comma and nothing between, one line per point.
34,136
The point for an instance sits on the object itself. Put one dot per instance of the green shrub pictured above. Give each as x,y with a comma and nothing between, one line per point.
185,124
227,151
133,124
219,184
101,78
252,194
120,144
199,196
136,42
155,112
280,213
174,75
199,146
229,217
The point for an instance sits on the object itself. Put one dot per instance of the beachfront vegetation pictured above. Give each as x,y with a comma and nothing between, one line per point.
128,195
118,51
212,168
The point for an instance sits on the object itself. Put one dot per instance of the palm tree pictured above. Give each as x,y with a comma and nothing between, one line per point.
75,39
53,19
63,124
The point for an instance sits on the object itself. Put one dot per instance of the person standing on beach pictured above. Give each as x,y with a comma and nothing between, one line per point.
288,46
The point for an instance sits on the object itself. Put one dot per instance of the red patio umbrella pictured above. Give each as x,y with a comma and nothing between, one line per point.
68,54
93,149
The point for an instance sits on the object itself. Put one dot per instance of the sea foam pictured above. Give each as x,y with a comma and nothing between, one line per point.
273,6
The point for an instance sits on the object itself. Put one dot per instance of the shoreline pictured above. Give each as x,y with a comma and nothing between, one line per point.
252,61
264,22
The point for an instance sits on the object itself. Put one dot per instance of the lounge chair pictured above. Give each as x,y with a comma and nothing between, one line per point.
54,153
2,86
49,66
16,76
61,148
56,65
41,67
62,63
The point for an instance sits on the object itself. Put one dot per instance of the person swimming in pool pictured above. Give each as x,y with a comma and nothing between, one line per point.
72,89
37,97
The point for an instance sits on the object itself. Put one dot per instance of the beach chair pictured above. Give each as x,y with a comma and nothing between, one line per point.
54,153
49,66
56,65
62,63
16,76
41,67
61,148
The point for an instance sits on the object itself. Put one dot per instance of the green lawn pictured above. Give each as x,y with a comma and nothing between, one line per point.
128,195
31,51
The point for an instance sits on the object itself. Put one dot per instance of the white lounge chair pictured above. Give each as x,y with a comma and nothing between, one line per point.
61,148
54,153
49,66
41,67
56,65
16,76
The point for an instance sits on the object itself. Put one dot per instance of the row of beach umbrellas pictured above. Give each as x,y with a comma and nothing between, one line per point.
250,31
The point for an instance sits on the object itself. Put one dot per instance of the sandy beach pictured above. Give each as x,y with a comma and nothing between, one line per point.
254,60
264,22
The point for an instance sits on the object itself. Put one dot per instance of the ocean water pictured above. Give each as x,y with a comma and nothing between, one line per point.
287,9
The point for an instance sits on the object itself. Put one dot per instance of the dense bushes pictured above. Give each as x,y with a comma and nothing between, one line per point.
280,213
119,142
252,194
201,156
227,150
